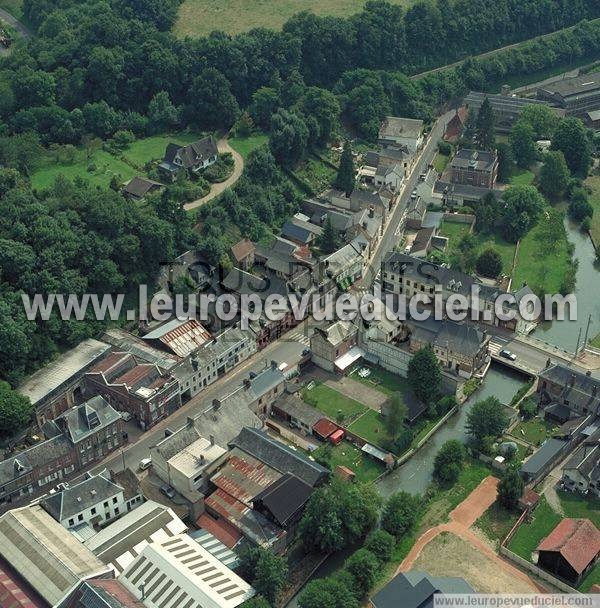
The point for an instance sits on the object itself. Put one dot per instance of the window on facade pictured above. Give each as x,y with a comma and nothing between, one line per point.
93,510
115,500
71,522
106,505
80,517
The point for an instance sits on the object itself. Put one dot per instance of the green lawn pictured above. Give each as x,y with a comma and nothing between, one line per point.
331,403
544,260
529,535
578,506
440,161
594,184
245,145
521,177
504,248
200,17
371,427
346,454
496,523
533,431
106,165
382,380
593,578
454,231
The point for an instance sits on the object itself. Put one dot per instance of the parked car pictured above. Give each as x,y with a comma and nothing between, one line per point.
145,463
306,352
507,354
168,491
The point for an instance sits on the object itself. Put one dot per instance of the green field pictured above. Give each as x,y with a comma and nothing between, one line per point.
534,431
543,260
594,184
348,455
382,380
106,166
529,535
371,427
314,172
496,523
200,17
245,145
331,403
455,231
521,177
576,505
440,161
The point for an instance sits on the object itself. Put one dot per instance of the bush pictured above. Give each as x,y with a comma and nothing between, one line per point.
444,147
528,408
400,513
363,566
381,544
449,461
91,168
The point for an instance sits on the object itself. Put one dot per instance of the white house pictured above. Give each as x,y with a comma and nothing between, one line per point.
401,132
94,501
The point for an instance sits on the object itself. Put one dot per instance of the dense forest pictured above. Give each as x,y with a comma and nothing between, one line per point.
100,68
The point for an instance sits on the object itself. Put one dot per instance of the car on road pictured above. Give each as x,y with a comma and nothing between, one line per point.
168,491
507,354
145,463
306,352
413,194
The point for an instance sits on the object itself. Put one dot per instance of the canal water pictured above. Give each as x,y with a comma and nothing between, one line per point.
587,291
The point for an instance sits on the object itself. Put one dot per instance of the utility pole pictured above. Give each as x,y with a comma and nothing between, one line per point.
578,340
587,330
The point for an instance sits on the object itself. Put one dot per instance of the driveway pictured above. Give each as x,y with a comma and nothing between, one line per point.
216,189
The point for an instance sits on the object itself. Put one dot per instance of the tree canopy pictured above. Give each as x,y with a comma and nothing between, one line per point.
424,375
487,419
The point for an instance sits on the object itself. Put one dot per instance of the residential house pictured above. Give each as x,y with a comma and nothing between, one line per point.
143,390
361,200
301,232
345,266
80,436
474,168
182,459
45,555
402,133
95,501
565,393
294,411
182,571
543,459
334,347
243,254
570,551
415,213
576,96
581,473
191,158
138,188
375,161
507,108
454,195
118,545
132,492
456,125
58,386
423,242
415,589
390,177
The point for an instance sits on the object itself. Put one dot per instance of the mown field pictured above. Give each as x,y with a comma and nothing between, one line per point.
200,17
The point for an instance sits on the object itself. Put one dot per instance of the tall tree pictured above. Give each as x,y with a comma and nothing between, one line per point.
329,240
510,488
542,119
396,415
554,174
486,419
363,566
522,143
523,206
449,461
15,410
571,138
329,592
289,136
484,126
424,375
346,176
489,263
400,513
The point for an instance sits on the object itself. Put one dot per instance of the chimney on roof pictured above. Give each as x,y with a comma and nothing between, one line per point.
216,404
588,373
572,381
211,439
190,421
548,363
371,211
246,384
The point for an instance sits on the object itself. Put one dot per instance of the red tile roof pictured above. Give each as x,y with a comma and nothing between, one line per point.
577,540
324,427
116,590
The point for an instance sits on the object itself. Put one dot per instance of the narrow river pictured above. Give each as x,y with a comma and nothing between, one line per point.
415,475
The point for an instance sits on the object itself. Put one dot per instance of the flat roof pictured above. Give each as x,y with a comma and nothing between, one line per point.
574,86
51,377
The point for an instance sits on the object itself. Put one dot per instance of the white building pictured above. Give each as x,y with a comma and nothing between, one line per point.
402,133
182,458
94,501
179,573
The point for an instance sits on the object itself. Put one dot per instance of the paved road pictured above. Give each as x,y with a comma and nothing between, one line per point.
216,189
21,29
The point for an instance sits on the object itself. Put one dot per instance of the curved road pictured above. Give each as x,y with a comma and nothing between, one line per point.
216,189
19,27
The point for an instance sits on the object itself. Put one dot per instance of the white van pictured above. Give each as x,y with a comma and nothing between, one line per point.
145,463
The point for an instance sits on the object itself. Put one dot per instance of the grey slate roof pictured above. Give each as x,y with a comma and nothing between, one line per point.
586,460
394,126
547,453
242,282
415,589
279,456
579,390
482,160
138,187
81,496
192,154
297,232
579,85
285,497
298,409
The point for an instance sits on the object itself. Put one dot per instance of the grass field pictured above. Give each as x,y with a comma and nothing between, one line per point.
331,403
370,426
529,535
440,161
348,455
382,380
107,165
200,17
245,145
454,231
576,505
594,184
521,177
543,260
533,431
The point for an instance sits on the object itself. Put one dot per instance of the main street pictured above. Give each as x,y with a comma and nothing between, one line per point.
287,349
